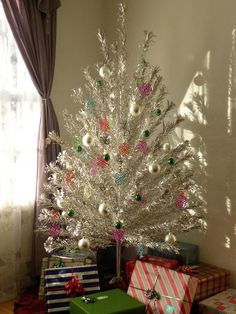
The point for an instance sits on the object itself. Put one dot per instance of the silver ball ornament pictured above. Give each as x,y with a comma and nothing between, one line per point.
154,168
87,140
166,147
105,72
102,209
170,238
135,110
84,244
199,80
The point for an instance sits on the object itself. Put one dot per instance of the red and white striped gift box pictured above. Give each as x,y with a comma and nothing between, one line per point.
176,290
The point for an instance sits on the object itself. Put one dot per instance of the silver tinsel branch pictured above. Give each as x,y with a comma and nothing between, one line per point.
122,172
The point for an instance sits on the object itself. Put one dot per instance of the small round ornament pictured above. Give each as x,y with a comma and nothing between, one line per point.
135,110
101,162
138,197
70,176
170,238
199,80
105,72
166,147
181,200
106,157
171,161
143,147
124,149
154,168
103,209
84,244
146,133
158,112
93,168
104,124
87,140
120,178
99,83
145,89
118,225
79,148
90,103
71,213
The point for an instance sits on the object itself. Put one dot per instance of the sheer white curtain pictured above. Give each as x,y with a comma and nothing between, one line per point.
19,121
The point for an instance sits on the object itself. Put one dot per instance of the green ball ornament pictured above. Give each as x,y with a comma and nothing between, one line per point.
118,225
158,112
171,161
106,157
146,133
99,83
71,213
79,148
138,197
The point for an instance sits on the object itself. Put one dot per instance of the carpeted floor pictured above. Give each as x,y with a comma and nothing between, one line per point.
28,303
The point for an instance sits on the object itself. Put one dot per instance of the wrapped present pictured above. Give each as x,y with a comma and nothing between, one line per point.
107,302
156,260
224,302
188,253
162,290
211,280
56,282
60,261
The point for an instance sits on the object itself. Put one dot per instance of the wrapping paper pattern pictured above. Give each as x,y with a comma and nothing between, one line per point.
56,278
211,280
156,260
177,290
224,302
51,262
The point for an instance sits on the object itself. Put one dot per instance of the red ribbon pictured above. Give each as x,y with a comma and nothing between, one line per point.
73,287
188,270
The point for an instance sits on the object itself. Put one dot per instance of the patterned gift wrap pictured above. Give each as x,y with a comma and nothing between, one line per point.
162,290
54,262
224,302
211,280
56,278
156,260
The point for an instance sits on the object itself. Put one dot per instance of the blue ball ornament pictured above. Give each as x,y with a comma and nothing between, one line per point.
120,178
90,103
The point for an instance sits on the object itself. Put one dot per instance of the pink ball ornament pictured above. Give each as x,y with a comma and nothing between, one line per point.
55,229
104,124
181,200
143,147
93,168
118,234
145,89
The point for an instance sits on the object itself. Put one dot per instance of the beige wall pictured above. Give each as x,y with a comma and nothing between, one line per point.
185,31
77,47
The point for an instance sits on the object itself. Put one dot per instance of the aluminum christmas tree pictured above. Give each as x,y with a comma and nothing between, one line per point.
123,179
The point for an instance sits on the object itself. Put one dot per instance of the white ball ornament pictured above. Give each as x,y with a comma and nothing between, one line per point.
87,140
105,72
154,168
102,209
166,147
83,244
135,110
170,238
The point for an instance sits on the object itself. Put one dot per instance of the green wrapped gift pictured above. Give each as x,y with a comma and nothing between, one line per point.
106,302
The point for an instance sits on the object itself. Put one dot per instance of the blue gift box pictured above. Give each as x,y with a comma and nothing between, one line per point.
188,253
56,278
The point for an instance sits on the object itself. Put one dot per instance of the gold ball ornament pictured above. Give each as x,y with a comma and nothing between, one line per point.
154,168
87,140
135,110
170,238
166,147
102,209
105,72
83,244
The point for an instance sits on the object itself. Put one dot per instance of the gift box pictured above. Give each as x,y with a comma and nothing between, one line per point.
57,261
56,278
188,253
211,280
224,302
107,302
156,260
162,290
